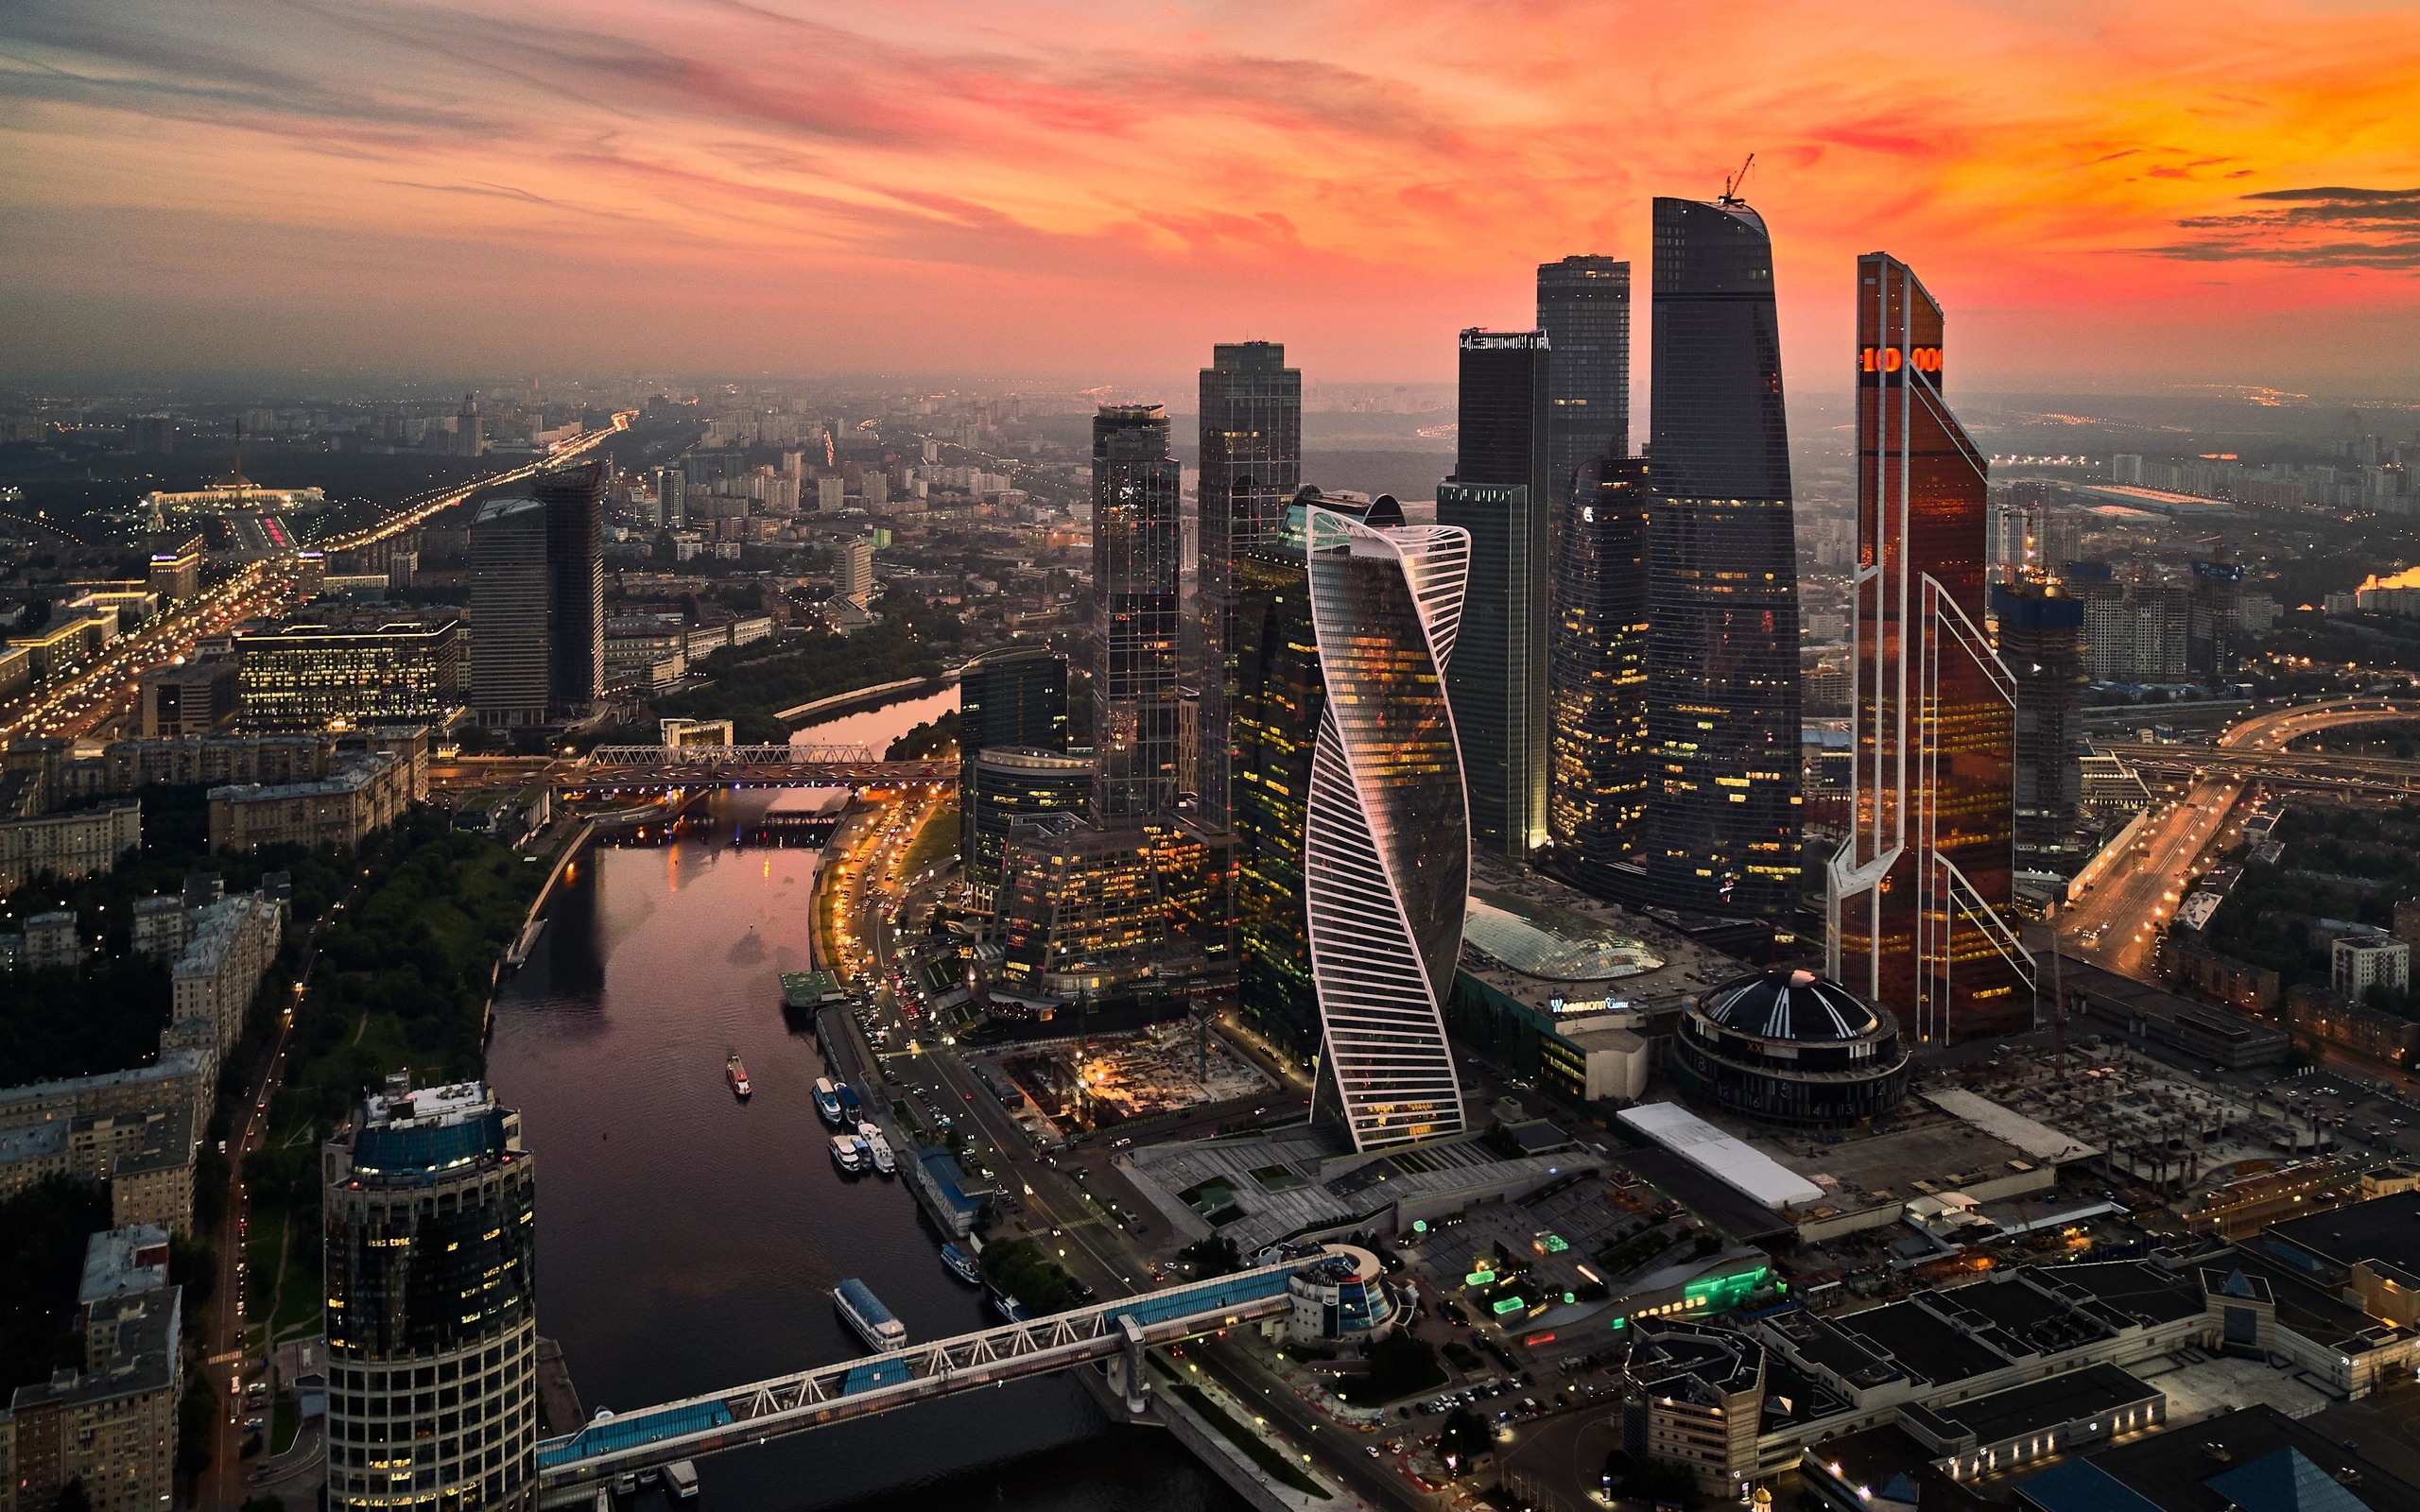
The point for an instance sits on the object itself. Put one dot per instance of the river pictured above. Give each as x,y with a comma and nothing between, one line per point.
689,1242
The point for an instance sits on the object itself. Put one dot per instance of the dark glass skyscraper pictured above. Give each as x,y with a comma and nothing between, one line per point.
1500,495
1597,798
1584,308
1014,699
1138,545
575,501
1279,697
2041,643
1252,463
1722,654
1916,895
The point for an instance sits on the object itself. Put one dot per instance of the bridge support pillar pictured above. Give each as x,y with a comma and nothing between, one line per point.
1129,1372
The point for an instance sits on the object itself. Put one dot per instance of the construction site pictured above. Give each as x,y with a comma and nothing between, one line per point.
1081,1085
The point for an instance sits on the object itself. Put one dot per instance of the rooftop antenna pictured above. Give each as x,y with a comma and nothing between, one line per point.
1731,185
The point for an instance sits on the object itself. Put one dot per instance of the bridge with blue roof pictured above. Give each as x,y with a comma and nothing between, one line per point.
571,1467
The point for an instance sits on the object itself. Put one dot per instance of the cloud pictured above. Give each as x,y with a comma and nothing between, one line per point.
2330,227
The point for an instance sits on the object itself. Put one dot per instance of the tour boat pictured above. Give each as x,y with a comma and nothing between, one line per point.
961,1265
863,1311
827,1102
850,1111
739,1075
879,1149
848,1153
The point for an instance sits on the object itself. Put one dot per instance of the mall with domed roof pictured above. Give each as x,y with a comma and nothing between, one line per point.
1788,1046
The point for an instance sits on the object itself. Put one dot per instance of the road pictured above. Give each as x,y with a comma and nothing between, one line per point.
1341,1452
2129,895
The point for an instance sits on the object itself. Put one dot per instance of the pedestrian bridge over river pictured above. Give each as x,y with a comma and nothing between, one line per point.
570,1468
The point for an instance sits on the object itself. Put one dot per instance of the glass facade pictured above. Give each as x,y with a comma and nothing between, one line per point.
1918,892
1003,784
1087,913
1723,656
1012,699
1387,839
1500,495
1278,702
1137,553
303,678
575,500
430,1208
1584,308
2041,643
1597,792
1252,463
509,597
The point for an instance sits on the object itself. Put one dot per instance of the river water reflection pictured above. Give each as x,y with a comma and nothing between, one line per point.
689,1242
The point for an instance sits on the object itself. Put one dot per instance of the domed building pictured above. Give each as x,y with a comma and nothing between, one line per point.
1791,1047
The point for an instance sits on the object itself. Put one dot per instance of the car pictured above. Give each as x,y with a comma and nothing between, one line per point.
253,1425
1374,1452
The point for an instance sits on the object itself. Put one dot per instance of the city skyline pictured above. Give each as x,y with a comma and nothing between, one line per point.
2225,201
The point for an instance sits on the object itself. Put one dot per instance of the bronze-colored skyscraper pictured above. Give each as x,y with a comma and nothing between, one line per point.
1917,893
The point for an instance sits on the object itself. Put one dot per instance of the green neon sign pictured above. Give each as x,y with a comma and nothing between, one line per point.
1509,1304
1480,1277
1715,1293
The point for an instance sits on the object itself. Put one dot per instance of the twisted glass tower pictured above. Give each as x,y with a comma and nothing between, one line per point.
1915,896
1387,839
1722,661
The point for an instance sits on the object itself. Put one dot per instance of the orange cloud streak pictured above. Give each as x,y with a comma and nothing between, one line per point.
2146,191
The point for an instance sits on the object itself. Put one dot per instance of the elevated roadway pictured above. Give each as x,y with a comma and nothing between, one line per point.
2122,900
571,1467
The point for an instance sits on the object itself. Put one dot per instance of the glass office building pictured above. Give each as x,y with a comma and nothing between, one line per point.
432,1330
1252,463
1501,496
1597,793
1387,839
1918,895
1137,553
1584,308
1722,654
1014,699
1275,721
1001,785
303,678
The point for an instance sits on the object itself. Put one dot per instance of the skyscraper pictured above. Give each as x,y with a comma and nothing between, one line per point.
1014,699
2041,643
1723,650
1584,308
575,501
1500,495
1596,796
431,1257
1386,840
1251,462
1275,721
1137,553
1914,896
538,602
470,431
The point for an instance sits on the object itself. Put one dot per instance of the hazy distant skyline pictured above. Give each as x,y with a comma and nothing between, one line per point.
2103,195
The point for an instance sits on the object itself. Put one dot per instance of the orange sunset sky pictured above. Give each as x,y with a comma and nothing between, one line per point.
2123,194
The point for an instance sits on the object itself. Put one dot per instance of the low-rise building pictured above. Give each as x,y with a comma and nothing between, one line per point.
82,843
342,809
144,1158
318,676
51,939
190,699
232,943
2360,962
112,1426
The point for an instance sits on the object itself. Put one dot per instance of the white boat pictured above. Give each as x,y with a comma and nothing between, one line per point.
878,1149
682,1477
864,1312
849,1154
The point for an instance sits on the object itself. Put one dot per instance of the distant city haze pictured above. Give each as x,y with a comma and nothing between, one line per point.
2141,192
